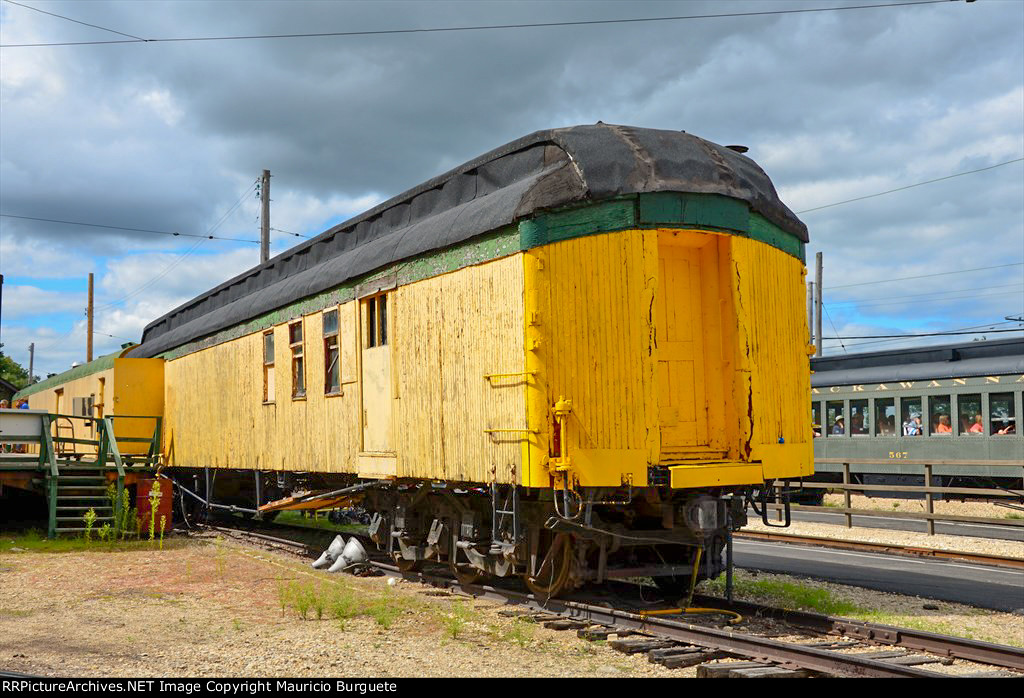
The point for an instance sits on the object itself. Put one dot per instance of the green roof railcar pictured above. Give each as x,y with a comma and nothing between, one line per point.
947,388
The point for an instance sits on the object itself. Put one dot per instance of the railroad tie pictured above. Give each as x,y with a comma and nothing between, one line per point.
769,672
721,670
832,644
640,644
688,657
598,632
565,624
916,659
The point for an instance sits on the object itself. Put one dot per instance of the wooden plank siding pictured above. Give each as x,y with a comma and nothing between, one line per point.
446,332
769,294
128,387
581,313
451,331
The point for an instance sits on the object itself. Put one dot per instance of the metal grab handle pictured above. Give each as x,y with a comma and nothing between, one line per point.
489,376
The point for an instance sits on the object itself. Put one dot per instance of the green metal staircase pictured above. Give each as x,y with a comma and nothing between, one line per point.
79,481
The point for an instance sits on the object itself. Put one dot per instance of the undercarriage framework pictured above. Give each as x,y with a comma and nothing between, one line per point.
556,540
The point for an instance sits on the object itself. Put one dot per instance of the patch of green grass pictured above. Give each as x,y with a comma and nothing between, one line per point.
36,541
456,622
521,632
788,595
15,613
1013,515
320,523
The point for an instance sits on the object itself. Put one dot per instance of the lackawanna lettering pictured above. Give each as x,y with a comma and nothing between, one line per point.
908,385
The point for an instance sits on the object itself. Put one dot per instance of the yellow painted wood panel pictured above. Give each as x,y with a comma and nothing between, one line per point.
597,337
445,334
452,330
682,394
377,398
772,338
129,387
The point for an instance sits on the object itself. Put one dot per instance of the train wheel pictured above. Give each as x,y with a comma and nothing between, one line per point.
553,574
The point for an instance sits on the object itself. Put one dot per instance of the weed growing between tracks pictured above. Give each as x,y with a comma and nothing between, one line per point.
787,594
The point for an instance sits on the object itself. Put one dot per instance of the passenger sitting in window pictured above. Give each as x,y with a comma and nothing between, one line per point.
977,427
1010,428
857,424
912,427
816,430
839,427
943,426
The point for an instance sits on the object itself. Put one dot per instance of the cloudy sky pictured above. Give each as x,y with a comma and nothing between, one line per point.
172,136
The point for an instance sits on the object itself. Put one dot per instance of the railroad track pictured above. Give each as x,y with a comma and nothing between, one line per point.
831,648
889,549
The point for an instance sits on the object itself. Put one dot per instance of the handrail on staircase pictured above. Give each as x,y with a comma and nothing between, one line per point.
108,447
47,456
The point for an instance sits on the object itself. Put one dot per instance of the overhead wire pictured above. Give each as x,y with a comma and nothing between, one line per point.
185,254
910,186
436,30
925,276
76,21
128,229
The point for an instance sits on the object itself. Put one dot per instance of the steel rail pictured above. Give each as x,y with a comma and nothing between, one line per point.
888,548
753,646
944,645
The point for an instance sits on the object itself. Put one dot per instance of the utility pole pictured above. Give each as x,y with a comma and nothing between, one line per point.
88,313
817,303
265,217
810,312
31,362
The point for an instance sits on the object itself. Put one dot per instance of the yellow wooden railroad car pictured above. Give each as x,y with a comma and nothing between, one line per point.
109,386
569,359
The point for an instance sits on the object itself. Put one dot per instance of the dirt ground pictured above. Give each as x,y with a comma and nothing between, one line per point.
214,610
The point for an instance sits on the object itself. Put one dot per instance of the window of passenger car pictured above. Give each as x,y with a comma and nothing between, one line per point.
268,366
298,360
885,416
940,415
835,418
376,313
859,425
1001,417
968,407
816,419
910,410
332,356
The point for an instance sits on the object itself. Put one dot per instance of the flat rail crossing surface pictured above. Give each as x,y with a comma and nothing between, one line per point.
896,524
995,588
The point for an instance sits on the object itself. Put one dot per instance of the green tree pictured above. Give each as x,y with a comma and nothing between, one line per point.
12,371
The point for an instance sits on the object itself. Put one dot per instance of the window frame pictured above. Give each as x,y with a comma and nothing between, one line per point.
268,369
376,332
298,363
328,338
